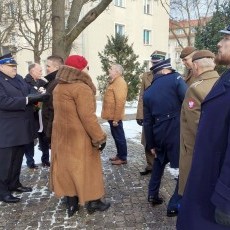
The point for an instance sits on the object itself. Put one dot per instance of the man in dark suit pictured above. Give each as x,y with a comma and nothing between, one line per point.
34,78
17,127
52,66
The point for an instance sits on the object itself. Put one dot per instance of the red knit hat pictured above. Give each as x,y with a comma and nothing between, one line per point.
76,61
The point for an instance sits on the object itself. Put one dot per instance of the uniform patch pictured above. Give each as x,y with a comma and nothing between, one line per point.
191,103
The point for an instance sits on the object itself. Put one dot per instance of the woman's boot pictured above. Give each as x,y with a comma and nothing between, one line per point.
72,205
97,205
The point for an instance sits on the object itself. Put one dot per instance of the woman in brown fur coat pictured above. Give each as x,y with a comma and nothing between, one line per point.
77,139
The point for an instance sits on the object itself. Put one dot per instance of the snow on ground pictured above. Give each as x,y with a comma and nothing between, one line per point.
131,128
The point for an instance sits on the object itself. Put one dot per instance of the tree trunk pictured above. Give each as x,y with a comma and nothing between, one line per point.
58,27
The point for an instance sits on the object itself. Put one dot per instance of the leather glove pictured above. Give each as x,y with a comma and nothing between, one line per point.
140,122
33,98
102,146
222,218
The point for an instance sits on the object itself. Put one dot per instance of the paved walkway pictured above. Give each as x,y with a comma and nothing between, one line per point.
125,189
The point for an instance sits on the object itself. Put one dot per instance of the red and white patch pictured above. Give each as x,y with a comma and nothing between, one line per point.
191,103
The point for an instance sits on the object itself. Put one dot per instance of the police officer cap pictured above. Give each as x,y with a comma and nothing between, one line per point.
7,59
157,56
226,30
164,64
186,51
203,54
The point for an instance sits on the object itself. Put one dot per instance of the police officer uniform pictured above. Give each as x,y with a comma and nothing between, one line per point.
162,105
17,129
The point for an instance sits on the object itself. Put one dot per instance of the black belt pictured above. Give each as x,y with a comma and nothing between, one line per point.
165,117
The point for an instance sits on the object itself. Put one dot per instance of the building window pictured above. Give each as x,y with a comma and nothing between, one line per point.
10,8
27,6
119,29
147,37
179,31
147,7
120,3
193,30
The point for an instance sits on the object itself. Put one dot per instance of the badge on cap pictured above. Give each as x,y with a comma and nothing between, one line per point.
191,103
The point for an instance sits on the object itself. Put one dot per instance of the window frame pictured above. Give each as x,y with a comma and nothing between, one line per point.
119,3
121,28
147,5
147,40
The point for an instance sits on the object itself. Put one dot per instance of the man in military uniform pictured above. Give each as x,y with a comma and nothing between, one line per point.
205,77
186,56
206,201
147,79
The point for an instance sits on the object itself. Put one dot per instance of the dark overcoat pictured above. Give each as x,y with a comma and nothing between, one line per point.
16,118
36,85
208,184
162,105
47,106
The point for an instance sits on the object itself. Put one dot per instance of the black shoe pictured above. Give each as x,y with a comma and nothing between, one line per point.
46,164
72,205
146,172
155,200
33,166
97,205
23,189
172,213
10,199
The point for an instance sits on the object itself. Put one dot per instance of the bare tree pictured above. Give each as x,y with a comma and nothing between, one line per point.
67,29
7,25
34,26
185,15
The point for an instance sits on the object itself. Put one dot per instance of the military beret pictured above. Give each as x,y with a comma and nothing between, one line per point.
203,54
226,30
7,59
186,51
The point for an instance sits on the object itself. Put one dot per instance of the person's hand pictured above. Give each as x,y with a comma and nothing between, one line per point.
115,124
41,90
102,146
140,122
222,218
153,152
33,98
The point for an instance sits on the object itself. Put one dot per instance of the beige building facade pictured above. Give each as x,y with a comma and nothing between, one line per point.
145,22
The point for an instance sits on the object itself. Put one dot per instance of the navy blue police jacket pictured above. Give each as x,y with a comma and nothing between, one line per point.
208,185
16,118
162,105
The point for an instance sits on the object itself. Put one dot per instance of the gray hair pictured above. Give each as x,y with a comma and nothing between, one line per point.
31,66
119,68
206,62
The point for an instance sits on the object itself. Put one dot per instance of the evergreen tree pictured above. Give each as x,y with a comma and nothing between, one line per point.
208,36
117,50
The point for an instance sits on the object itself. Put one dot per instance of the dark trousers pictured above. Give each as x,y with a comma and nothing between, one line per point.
44,146
119,138
155,182
10,168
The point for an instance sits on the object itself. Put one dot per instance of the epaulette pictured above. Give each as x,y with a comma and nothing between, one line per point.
195,84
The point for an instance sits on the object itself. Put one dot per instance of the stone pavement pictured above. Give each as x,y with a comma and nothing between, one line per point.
125,189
